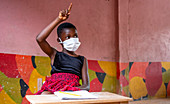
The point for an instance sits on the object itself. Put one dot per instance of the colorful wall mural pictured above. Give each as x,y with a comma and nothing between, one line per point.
22,75
145,80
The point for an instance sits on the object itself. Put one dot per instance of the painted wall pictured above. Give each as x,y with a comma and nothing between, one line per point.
145,80
144,30
22,75
22,63
144,43
21,21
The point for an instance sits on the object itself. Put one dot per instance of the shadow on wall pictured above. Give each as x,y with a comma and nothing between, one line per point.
22,75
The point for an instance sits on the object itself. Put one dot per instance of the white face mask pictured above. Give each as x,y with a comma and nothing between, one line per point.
71,44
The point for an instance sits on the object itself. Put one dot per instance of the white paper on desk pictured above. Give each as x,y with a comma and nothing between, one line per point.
69,95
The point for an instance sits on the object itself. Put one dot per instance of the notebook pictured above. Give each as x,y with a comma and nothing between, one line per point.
73,95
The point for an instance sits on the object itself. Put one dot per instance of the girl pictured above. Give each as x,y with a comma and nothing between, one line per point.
67,66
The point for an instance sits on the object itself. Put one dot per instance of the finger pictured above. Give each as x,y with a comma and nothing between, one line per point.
67,11
60,13
63,12
69,8
64,18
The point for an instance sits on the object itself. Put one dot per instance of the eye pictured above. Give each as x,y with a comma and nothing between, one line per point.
75,36
68,37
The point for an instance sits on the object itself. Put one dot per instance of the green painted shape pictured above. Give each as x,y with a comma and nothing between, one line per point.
80,81
166,76
12,87
92,75
2,76
109,84
127,73
43,65
126,90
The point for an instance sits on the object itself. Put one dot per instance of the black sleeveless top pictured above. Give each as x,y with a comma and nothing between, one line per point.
64,63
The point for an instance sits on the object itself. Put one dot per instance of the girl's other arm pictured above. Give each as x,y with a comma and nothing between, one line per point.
85,76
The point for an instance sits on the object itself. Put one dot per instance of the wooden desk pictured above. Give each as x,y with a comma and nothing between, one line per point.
103,98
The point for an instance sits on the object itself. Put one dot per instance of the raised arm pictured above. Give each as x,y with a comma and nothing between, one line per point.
41,38
85,77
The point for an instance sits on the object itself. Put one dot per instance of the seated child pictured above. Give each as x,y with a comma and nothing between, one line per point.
67,66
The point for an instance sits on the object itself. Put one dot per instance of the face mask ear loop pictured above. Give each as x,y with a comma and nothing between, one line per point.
60,40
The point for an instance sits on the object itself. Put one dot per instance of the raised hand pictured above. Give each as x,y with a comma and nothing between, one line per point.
64,14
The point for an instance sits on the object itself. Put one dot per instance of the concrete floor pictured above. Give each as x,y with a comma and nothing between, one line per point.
152,101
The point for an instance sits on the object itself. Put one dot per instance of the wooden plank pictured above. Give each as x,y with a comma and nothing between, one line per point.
103,98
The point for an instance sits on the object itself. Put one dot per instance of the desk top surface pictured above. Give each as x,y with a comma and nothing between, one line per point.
103,97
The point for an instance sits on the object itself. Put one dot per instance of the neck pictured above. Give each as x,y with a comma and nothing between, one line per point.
69,52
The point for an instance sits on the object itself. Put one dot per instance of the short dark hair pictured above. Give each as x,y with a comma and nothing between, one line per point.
63,26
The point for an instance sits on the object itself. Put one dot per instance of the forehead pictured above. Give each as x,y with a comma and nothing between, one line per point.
69,31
